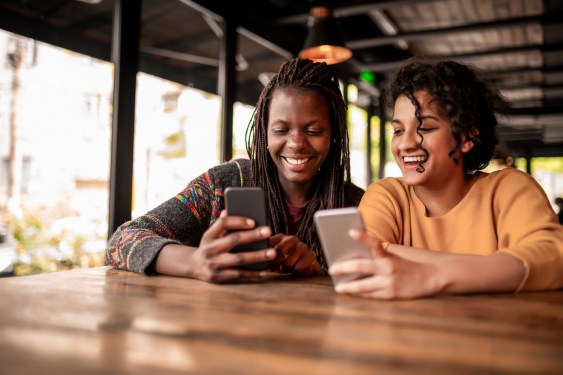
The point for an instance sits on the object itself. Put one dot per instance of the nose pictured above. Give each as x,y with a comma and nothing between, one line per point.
297,140
410,140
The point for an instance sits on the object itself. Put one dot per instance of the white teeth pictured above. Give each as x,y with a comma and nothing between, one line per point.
413,159
296,161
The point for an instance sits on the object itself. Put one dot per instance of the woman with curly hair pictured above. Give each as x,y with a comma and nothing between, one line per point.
298,150
446,226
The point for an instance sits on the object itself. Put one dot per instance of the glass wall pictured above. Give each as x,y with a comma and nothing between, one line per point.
55,134
548,172
177,138
54,145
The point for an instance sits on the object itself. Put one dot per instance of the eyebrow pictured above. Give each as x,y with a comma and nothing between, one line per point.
429,117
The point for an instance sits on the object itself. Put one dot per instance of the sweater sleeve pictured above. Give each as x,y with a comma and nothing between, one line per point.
182,220
527,228
382,208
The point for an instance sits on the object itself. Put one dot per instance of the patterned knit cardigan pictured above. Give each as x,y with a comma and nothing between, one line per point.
182,219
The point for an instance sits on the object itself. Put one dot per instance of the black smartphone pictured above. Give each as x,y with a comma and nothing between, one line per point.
333,226
249,202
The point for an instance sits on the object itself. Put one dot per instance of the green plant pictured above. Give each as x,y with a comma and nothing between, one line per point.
42,246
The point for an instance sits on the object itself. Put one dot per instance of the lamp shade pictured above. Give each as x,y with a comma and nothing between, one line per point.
324,42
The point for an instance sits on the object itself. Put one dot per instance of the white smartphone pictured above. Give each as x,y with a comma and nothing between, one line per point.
333,226
249,202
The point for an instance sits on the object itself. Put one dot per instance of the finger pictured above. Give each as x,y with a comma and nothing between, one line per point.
286,246
353,266
279,242
372,243
229,241
227,223
364,285
306,264
288,255
276,239
230,260
291,257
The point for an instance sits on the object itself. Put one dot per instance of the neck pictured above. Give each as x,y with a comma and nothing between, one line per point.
439,201
298,195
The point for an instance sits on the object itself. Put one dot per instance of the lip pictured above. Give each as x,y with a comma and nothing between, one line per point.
296,160
412,161
297,163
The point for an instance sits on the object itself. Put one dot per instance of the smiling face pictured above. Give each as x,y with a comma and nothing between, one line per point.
438,141
298,136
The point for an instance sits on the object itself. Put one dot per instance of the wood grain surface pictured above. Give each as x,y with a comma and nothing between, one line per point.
103,321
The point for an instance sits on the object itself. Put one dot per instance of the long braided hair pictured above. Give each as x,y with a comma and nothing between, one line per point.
334,174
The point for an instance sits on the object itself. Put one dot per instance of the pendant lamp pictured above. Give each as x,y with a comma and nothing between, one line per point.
324,42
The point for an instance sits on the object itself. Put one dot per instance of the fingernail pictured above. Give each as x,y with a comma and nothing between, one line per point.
249,222
271,253
264,231
354,233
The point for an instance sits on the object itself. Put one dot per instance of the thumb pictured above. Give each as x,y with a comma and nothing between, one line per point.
372,243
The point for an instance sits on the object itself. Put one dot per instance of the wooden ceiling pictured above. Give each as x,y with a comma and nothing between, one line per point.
517,43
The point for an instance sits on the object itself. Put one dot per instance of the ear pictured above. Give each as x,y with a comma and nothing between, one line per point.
466,146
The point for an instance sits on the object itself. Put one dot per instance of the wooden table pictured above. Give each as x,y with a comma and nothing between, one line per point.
103,321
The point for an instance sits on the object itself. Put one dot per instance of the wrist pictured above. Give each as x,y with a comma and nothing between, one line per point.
175,260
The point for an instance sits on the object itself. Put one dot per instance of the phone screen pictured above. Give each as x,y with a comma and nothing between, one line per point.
333,226
249,202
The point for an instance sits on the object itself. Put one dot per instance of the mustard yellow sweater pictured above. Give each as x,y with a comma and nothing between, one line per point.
503,211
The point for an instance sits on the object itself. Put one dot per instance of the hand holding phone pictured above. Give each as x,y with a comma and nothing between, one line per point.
248,202
333,226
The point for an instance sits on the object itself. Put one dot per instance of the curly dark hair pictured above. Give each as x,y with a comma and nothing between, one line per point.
464,97
334,175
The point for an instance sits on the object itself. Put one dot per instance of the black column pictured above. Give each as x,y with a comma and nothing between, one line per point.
226,86
528,157
125,57
382,140
369,170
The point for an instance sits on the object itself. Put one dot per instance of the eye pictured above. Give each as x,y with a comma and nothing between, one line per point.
425,129
279,131
314,132
398,131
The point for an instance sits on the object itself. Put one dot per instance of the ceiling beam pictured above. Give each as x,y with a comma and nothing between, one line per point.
429,34
352,10
67,38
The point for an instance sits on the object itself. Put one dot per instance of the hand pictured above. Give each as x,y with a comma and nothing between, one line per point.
293,256
213,261
391,276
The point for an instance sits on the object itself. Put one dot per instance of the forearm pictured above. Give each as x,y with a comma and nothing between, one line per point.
175,260
468,273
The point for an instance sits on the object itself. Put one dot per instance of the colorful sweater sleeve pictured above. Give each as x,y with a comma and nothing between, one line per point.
182,220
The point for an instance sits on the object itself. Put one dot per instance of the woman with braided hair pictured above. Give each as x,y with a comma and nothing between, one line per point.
298,150
445,226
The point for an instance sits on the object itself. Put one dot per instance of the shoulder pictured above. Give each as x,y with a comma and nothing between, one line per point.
511,189
232,173
510,179
507,174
